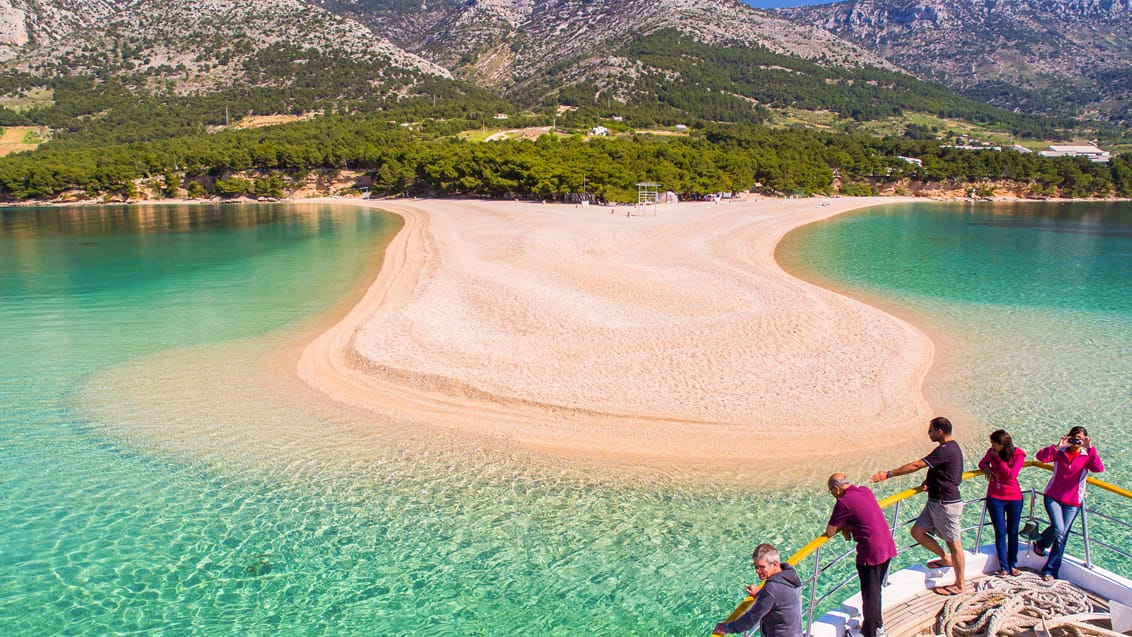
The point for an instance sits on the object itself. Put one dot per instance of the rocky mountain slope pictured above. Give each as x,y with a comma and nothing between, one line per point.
25,24
713,60
501,42
183,47
1050,56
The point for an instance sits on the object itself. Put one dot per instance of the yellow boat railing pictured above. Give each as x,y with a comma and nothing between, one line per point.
894,501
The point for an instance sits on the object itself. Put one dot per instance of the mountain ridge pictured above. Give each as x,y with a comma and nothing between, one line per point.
1041,56
210,41
726,61
501,41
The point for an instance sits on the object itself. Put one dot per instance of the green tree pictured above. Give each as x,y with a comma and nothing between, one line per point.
170,185
235,187
195,190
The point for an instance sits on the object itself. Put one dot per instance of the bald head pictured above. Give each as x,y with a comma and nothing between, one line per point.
838,483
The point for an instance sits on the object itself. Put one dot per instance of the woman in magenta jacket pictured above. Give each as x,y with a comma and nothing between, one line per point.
1002,464
1073,457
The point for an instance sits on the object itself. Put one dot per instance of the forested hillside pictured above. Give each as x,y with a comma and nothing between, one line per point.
151,100
392,159
678,78
678,81
90,112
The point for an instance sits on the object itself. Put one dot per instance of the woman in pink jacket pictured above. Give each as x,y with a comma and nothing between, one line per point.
1073,457
1001,464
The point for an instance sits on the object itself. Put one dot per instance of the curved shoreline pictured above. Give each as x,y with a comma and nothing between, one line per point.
521,323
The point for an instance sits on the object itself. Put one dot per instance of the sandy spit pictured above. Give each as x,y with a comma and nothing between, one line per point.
664,338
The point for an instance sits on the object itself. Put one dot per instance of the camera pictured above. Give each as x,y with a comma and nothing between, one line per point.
1075,441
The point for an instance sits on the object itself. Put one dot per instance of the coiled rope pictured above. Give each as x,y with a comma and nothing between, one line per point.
1010,605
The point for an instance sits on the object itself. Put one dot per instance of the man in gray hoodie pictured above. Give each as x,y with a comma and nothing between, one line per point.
777,608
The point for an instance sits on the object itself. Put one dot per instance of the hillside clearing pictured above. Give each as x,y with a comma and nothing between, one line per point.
17,139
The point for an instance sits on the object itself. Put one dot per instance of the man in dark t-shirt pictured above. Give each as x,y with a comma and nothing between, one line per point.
944,507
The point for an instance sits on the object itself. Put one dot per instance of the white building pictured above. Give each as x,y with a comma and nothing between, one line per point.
971,147
599,131
1091,152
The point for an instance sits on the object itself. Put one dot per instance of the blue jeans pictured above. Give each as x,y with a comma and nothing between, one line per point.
1004,517
1061,517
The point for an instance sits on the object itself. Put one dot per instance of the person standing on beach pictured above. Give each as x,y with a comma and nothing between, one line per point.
777,609
858,513
1073,457
944,506
1002,464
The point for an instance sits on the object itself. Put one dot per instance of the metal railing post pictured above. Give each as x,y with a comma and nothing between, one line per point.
813,590
979,531
1084,534
892,529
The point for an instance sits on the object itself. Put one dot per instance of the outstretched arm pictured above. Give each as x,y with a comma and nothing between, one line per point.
903,470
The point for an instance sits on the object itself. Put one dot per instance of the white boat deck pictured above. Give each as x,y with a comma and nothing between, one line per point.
911,608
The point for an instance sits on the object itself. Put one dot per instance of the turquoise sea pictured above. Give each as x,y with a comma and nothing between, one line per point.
158,478
1032,303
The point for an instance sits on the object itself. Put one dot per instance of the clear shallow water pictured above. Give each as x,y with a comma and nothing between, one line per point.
261,515
1035,298
1033,303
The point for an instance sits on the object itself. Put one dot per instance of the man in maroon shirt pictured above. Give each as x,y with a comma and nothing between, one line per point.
858,513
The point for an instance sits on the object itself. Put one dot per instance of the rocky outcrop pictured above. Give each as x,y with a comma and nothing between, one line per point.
25,23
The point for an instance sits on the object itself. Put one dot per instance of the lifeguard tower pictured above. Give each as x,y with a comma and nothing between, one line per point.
648,194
